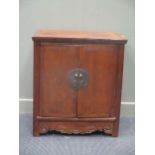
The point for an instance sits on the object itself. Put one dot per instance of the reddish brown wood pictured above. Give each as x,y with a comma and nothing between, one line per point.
56,97
36,104
96,99
95,107
79,37
76,119
116,104
76,127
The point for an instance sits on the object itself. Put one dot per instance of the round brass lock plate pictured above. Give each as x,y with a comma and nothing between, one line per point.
78,78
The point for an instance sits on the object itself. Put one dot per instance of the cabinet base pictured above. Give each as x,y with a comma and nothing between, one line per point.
77,127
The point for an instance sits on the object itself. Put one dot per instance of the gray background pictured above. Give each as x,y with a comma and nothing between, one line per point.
89,15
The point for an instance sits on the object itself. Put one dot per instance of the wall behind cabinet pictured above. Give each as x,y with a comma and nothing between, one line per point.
89,15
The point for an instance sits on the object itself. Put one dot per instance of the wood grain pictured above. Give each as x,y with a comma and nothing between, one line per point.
95,100
75,119
117,102
76,127
36,79
79,36
56,97
95,107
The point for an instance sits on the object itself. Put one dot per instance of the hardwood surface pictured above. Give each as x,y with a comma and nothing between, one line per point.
36,89
76,127
75,119
81,36
100,62
56,97
95,106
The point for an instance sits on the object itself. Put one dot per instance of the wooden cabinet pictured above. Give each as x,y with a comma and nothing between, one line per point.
77,81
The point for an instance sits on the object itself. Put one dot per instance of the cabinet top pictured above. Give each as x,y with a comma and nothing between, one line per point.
79,36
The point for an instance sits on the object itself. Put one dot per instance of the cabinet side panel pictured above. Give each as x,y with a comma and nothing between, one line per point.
115,109
36,78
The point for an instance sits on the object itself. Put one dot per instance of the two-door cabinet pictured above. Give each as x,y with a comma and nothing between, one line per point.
77,81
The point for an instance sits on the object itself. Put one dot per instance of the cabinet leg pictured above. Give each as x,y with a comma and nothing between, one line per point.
107,131
36,134
36,131
115,131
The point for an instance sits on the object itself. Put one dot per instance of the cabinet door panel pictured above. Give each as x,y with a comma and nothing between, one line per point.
57,99
100,61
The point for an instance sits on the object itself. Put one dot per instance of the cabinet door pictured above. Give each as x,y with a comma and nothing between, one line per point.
100,62
57,99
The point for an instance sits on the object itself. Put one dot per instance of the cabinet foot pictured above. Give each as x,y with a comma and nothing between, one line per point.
115,131
107,131
36,134
115,134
